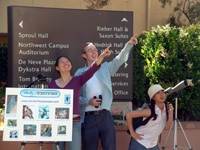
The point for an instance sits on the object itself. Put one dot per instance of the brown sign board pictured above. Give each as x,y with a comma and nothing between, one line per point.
37,36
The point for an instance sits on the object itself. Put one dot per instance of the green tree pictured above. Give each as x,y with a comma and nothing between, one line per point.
190,9
140,81
4,72
172,55
96,4
4,63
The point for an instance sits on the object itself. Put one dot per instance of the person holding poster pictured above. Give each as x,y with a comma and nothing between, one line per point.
63,66
96,98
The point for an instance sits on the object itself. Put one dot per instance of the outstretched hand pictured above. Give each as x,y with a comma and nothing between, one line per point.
133,40
107,52
170,109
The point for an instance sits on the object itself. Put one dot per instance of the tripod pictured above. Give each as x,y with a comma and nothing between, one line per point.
175,145
40,144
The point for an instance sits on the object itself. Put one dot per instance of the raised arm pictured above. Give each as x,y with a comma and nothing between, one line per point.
106,53
133,40
95,66
123,56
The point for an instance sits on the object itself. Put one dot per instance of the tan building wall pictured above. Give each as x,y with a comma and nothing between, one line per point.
147,13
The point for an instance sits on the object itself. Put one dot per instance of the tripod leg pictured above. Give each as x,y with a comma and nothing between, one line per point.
40,144
163,147
57,145
184,135
22,145
175,135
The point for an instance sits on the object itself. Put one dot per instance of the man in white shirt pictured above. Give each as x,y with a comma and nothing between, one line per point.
98,122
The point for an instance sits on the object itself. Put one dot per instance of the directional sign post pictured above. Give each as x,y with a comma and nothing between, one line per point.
37,36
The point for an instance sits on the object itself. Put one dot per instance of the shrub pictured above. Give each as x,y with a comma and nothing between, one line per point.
4,63
3,71
140,81
172,55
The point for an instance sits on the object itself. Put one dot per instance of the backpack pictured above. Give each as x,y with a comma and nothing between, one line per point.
137,122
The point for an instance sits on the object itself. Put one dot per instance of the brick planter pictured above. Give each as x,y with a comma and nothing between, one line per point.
191,129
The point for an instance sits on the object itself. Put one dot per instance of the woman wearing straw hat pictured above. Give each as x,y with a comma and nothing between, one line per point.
158,114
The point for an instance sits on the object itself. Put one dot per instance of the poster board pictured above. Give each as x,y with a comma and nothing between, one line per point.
37,36
38,114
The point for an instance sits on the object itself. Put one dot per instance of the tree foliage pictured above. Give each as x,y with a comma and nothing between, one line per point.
190,9
96,4
4,63
140,81
172,55
4,72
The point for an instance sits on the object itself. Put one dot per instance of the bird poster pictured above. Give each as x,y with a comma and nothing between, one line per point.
38,114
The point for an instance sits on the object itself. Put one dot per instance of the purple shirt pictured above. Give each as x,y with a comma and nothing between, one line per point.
76,84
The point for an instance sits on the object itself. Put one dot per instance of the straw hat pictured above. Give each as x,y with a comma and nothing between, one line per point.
153,90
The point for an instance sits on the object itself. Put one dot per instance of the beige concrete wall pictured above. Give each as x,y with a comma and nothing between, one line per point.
71,4
157,14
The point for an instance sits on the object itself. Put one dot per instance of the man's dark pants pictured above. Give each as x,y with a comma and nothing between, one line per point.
97,126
